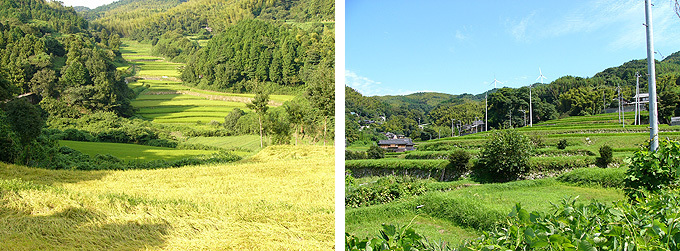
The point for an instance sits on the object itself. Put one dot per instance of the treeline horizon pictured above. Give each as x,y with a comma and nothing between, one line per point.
565,96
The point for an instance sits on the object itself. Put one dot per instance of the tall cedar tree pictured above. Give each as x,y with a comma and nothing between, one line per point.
259,105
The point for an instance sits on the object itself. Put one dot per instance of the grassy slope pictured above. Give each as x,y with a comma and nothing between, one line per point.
281,198
499,198
583,132
132,151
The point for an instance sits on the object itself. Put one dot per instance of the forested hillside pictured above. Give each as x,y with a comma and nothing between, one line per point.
253,52
46,49
147,19
565,96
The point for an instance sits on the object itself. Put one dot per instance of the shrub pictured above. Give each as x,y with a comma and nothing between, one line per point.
562,144
605,158
385,189
537,141
504,157
459,160
354,155
375,152
653,171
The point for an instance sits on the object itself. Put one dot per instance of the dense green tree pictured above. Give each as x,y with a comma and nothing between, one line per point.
278,125
27,121
321,94
232,118
669,105
298,110
259,105
9,142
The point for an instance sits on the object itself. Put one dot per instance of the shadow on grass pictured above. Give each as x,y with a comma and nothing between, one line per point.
77,228
41,176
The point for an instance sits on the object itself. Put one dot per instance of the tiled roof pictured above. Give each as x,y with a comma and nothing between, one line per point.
405,141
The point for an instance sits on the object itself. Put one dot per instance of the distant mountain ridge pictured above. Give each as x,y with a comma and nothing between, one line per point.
625,73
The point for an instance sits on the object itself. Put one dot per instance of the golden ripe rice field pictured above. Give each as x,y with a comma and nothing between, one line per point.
280,199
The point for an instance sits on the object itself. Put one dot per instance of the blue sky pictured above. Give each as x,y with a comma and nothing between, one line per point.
399,47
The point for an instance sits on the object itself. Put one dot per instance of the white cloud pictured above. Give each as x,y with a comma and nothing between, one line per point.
518,29
621,20
369,87
461,36
363,85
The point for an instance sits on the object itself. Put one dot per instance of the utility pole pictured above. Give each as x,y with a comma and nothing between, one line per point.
653,119
637,99
531,113
618,97
451,127
486,112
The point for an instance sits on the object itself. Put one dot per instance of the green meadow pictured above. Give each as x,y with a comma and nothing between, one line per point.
132,151
242,142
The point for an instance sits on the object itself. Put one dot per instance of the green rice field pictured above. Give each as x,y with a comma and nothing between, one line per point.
244,142
162,99
132,151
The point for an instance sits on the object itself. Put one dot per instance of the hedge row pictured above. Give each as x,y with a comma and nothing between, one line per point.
396,164
562,152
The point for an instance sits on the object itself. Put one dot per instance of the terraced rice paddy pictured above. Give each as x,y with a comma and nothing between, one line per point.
163,99
159,105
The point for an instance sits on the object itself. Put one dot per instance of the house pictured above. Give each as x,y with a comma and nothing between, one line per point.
397,145
644,98
675,121
475,127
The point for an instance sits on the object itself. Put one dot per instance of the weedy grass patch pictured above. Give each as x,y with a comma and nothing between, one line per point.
268,203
